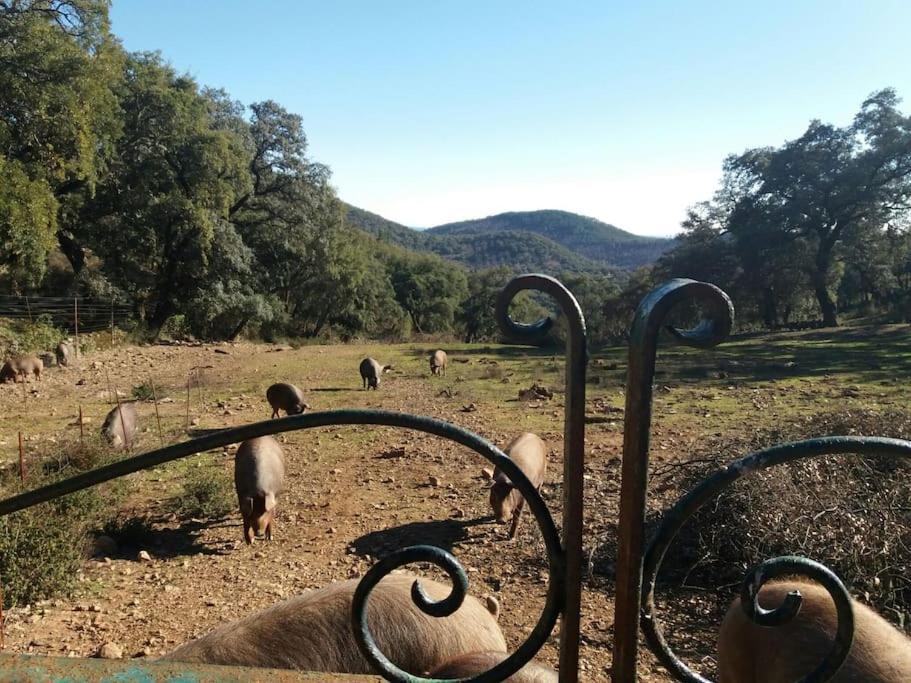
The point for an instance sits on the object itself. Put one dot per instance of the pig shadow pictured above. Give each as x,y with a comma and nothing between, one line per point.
445,533
162,540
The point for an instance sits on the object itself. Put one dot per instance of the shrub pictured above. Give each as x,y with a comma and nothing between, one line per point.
206,493
42,548
848,512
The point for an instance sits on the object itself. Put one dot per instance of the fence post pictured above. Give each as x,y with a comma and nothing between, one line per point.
81,428
157,416
21,460
76,322
112,322
188,401
29,309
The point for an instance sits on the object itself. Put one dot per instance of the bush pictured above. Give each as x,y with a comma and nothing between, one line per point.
29,337
42,548
848,512
206,493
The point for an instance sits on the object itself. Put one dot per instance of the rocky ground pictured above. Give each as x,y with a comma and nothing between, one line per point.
353,493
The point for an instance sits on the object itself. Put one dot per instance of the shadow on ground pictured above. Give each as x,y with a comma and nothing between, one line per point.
446,534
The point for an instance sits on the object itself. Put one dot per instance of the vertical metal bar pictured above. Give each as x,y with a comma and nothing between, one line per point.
646,326
573,446
157,416
21,460
81,424
76,322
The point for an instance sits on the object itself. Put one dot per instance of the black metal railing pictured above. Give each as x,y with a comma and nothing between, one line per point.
638,562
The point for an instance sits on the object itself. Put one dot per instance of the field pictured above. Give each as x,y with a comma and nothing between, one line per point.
354,493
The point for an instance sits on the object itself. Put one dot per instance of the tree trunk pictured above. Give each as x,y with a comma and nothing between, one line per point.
73,251
163,311
820,278
240,328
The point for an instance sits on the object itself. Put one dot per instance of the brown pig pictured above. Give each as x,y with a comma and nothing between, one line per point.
286,397
529,452
749,653
259,474
120,426
312,632
474,663
438,362
20,367
371,371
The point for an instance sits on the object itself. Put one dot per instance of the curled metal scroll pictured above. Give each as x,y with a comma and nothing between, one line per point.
707,490
646,326
553,601
573,444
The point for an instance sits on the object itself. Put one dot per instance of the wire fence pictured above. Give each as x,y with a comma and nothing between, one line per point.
74,314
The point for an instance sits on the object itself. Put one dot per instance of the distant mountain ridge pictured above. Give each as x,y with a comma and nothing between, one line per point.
547,240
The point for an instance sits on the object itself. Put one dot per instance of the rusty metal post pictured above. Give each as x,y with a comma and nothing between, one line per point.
21,460
76,322
81,425
573,446
188,402
157,416
646,326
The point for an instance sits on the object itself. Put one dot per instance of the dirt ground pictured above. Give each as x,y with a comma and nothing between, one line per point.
354,493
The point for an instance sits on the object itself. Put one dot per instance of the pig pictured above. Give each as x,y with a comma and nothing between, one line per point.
438,362
286,397
120,426
529,452
312,632
259,474
371,371
473,663
749,653
65,353
20,367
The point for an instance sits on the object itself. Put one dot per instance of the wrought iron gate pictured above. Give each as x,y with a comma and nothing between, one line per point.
638,563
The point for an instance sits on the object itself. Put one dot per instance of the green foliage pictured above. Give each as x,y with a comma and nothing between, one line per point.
789,223
428,289
475,318
28,224
206,493
22,336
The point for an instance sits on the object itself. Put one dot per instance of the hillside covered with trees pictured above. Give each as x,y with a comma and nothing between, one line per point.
126,180
529,240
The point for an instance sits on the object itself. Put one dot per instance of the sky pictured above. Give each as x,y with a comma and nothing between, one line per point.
429,112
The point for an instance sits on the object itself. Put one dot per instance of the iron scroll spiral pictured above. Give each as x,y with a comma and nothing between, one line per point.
573,444
553,601
644,332
707,490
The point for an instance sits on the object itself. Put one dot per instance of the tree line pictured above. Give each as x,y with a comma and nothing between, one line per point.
126,179
811,230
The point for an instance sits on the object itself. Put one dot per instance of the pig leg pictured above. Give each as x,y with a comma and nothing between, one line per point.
516,518
274,413
248,532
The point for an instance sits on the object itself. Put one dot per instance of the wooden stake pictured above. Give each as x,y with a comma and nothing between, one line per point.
21,460
202,400
76,321
188,402
1,616
81,428
123,427
157,416
29,308
107,378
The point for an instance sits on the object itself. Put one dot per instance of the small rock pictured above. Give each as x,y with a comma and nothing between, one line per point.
434,481
493,606
111,651
487,473
144,556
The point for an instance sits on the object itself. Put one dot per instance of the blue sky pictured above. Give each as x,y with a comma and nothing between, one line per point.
430,111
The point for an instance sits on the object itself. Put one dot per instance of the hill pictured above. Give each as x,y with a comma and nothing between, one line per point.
520,250
585,236
549,241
